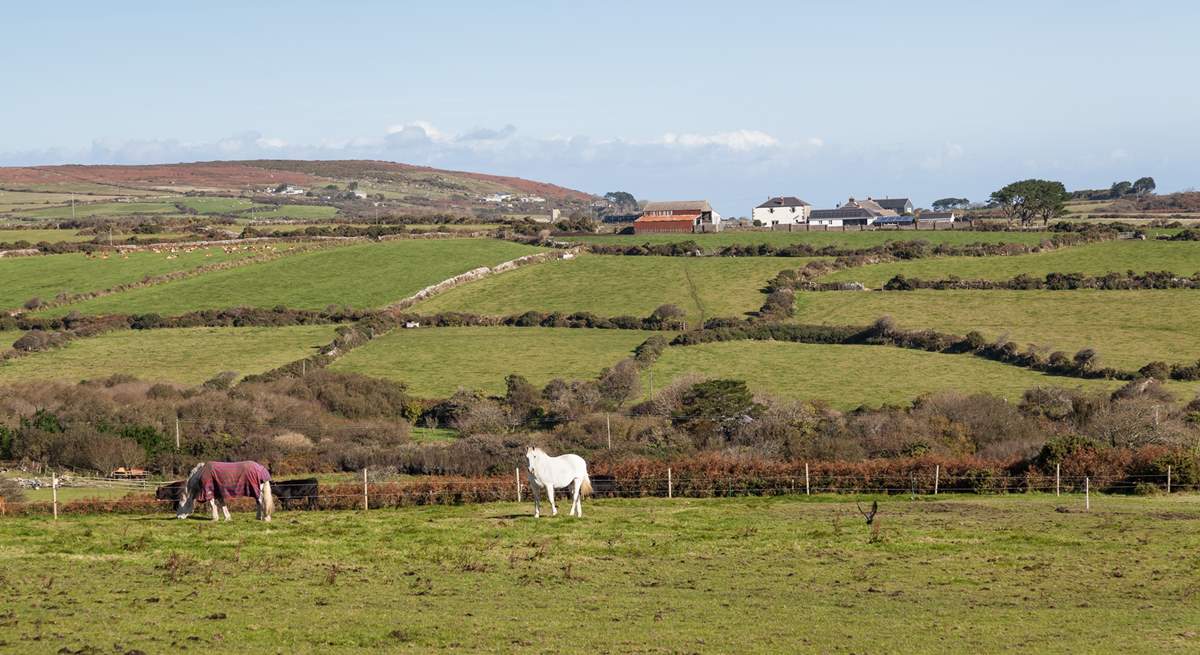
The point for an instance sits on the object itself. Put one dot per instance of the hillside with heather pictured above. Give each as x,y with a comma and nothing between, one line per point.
393,185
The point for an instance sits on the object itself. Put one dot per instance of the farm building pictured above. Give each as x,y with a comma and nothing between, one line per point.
782,210
853,212
677,216
901,206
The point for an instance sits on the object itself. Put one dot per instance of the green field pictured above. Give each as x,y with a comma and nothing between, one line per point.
846,377
210,205
364,275
744,575
87,209
437,362
616,285
1180,257
45,276
1128,328
37,236
852,239
187,355
25,200
7,337
298,212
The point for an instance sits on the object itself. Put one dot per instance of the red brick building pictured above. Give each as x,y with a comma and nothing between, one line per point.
678,216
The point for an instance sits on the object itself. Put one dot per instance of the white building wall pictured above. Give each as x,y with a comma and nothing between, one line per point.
781,215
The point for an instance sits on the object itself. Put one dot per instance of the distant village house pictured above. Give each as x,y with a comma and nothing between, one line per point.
782,210
853,212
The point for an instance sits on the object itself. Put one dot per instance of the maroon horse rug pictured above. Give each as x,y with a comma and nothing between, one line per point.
217,482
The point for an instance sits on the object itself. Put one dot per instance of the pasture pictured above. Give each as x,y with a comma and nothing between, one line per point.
846,377
89,209
45,276
769,575
436,362
184,355
360,275
1128,328
38,236
616,285
1180,257
818,238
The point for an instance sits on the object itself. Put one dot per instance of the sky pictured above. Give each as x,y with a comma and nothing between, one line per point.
732,102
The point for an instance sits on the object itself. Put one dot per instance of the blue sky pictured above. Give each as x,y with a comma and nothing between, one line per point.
727,101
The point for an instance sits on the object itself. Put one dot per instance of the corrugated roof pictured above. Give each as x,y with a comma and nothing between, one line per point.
937,216
678,205
669,218
783,201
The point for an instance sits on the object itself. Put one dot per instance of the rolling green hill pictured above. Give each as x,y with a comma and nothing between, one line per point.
363,275
189,355
616,285
436,362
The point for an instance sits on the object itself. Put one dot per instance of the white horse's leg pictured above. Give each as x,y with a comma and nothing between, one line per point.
537,501
576,504
225,508
266,502
213,504
550,494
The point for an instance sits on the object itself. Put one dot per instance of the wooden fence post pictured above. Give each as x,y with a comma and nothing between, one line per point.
176,434
518,484
54,493
937,475
1087,493
608,429
366,504
1058,479
1168,478
807,486
670,489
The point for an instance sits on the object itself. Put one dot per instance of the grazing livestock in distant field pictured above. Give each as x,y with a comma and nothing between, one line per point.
546,472
217,482
298,489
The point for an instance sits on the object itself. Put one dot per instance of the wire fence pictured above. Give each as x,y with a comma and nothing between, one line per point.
445,490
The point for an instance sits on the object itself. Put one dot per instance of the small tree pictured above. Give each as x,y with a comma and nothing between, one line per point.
1144,186
621,382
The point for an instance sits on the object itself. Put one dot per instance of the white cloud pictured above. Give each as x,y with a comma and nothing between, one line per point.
736,140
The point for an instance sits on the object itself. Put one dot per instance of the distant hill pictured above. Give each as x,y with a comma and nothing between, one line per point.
416,187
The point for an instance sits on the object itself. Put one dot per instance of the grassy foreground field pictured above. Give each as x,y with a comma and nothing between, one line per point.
846,377
727,575
1128,328
45,276
616,285
185,355
852,239
1180,257
365,275
437,362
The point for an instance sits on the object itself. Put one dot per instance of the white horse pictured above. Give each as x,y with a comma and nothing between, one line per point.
557,472
216,482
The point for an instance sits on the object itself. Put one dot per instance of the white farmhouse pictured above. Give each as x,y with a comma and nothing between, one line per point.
782,210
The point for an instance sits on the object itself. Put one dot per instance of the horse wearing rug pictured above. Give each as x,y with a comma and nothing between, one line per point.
217,482
557,472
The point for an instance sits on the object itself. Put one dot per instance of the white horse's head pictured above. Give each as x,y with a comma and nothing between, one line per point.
532,455
187,497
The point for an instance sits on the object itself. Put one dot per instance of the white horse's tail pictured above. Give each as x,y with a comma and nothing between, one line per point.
268,501
585,487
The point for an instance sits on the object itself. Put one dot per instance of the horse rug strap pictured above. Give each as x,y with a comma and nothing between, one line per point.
225,480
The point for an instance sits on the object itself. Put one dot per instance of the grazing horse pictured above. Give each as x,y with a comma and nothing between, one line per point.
217,482
296,489
557,472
